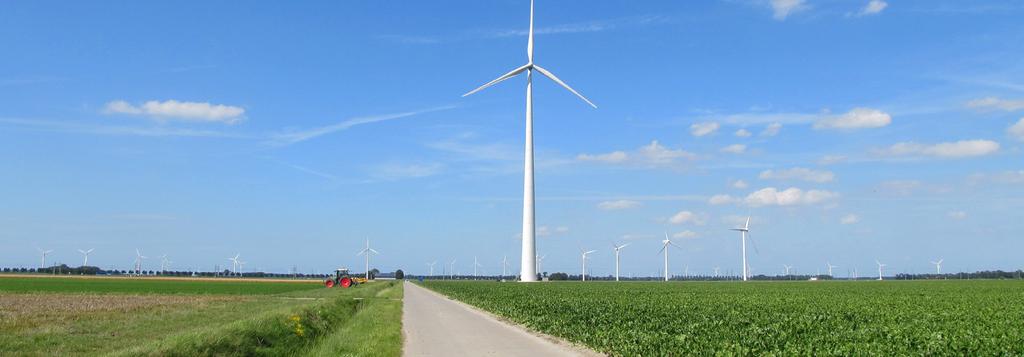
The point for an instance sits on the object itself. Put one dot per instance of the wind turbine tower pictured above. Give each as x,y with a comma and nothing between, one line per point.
529,253
664,249
583,257
431,265
880,266
743,233
366,251
938,267
43,253
617,248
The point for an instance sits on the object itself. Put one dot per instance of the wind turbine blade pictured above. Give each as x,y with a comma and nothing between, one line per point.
529,43
623,246
559,81
374,251
747,225
590,251
752,243
508,75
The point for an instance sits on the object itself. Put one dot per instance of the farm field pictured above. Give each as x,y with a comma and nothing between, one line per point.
124,316
782,318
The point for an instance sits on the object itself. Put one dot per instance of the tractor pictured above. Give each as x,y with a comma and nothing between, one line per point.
342,279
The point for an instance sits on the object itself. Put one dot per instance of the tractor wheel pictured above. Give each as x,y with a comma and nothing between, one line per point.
346,282
329,283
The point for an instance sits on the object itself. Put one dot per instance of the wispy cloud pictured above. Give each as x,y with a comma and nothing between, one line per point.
781,9
653,155
395,171
994,103
798,173
567,28
88,128
293,137
948,150
873,7
618,205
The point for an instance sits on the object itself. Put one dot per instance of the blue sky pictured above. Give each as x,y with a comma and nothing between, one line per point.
850,130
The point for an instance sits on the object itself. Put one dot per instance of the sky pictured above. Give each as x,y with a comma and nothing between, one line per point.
289,133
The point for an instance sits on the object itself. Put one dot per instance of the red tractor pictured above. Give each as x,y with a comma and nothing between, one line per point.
342,279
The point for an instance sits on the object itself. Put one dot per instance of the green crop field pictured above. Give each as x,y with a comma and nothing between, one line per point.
781,318
134,317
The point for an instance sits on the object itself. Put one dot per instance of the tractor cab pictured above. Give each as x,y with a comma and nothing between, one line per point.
340,278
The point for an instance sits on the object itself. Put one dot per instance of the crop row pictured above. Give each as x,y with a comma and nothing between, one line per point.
823,318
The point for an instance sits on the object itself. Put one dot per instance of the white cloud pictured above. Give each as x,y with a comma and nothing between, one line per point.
873,7
612,157
545,231
858,118
1008,177
398,171
686,217
783,8
900,187
740,184
798,173
717,200
743,133
648,156
618,205
702,129
685,235
772,129
831,159
958,215
790,197
173,109
849,219
292,137
958,149
993,103
1017,130
735,149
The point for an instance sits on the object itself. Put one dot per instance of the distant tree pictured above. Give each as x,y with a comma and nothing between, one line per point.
558,276
373,273
399,274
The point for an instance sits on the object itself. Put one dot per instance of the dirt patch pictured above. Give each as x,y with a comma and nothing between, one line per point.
23,306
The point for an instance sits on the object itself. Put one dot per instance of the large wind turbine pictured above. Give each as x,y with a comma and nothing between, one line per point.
880,266
617,248
529,253
366,251
938,267
583,257
743,233
44,253
664,248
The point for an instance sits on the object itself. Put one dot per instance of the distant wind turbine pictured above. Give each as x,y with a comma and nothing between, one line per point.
743,233
138,261
366,251
529,252
234,263
431,265
830,266
938,267
86,254
880,266
476,264
504,267
540,263
583,257
717,269
617,249
664,249
787,267
451,271
44,253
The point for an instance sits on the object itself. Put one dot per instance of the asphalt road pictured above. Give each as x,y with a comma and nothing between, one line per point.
437,326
